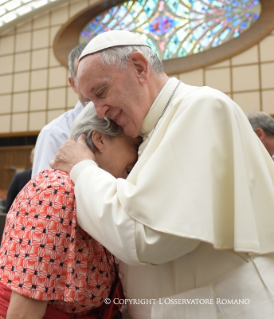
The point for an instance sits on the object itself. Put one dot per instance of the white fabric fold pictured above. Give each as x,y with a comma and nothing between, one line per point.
204,175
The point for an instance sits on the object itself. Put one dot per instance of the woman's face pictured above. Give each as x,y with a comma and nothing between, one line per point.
117,155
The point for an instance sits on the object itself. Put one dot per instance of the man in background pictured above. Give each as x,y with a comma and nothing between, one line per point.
18,182
54,134
263,125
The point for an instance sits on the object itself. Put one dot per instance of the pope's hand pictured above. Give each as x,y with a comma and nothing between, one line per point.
72,153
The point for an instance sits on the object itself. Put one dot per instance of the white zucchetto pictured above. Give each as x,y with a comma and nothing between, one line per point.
110,39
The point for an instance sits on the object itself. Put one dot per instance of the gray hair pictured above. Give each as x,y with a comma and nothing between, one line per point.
262,120
75,54
88,121
119,56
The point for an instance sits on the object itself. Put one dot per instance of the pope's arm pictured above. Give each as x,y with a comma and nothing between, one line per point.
101,214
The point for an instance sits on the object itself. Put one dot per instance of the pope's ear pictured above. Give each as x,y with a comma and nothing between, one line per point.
141,66
98,140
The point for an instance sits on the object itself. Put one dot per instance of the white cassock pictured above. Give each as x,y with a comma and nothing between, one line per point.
194,222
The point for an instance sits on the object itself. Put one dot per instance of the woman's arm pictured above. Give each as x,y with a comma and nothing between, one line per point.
22,307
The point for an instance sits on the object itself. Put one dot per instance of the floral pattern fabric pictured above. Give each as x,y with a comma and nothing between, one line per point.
45,255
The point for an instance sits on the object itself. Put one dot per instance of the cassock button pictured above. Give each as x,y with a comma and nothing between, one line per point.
120,275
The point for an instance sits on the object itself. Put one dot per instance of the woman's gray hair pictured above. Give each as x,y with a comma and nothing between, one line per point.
88,121
262,120
119,56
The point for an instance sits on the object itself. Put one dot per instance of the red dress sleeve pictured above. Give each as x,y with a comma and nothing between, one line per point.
39,231
44,254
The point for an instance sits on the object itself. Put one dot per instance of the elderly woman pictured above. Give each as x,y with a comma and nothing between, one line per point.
50,267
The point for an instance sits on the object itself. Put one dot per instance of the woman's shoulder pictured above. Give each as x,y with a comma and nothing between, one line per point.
48,189
53,178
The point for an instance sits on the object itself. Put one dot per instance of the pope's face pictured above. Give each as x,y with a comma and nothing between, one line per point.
116,94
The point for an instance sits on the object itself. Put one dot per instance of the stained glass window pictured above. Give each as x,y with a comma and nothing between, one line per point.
178,28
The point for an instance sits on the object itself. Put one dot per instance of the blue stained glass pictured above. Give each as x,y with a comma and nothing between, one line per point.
236,22
178,28
216,3
107,16
224,34
216,29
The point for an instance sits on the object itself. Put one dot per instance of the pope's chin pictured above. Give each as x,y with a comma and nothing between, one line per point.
131,131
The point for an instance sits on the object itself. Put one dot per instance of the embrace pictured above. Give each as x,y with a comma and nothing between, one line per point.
193,219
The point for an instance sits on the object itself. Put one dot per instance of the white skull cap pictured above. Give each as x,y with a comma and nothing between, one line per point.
110,39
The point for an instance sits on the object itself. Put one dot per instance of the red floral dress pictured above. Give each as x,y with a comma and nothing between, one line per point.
45,255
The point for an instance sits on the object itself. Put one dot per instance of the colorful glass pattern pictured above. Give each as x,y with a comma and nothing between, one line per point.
178,28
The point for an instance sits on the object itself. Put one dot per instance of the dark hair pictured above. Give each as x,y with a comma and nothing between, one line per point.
75,54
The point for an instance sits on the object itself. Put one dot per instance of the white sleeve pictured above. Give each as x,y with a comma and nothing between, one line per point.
154,247
100,213
46,149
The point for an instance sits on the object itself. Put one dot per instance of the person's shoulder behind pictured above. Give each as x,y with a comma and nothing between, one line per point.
64,121
25,173
53,136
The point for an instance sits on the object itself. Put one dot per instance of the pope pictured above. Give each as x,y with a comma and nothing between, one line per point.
194,220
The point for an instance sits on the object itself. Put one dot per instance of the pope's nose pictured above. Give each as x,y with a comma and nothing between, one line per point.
101,110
